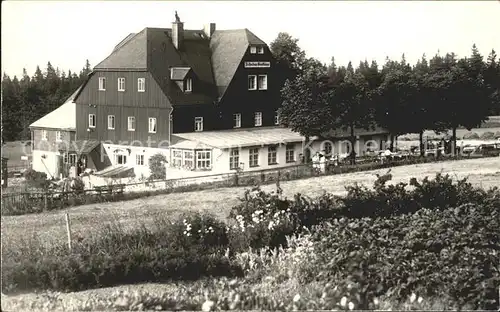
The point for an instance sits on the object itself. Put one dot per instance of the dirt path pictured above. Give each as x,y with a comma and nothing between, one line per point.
50,226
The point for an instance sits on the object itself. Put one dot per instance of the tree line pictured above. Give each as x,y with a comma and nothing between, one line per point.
27,99
440,94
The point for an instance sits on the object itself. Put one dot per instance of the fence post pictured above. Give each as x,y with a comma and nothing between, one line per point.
45,202
68,230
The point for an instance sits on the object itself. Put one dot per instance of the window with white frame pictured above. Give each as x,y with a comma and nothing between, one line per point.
198,123
253,157
290,153
203,159
131,123
234,159
177,158
188,160
141,84
111,122
45,135
253,50
262,82
102,84
189,85
237,120
58,136
139,159
260,50
258,119
252,82
91,120
152,125
272,152
277,118
121,84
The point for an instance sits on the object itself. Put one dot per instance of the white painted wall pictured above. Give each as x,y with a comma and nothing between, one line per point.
131,158
47,164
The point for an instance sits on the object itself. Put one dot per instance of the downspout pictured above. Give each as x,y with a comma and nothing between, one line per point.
171,128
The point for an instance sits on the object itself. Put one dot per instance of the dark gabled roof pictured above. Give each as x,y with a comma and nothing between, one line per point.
129,54
213,61
119,45
179,73
228,48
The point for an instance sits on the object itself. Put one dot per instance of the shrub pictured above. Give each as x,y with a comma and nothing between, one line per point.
115,257
488,135
450,252
471,136
157,167
77,185
36,179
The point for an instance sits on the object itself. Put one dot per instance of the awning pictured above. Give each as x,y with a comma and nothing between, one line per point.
114,171
238,138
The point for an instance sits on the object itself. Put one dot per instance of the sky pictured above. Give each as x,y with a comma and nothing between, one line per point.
66,33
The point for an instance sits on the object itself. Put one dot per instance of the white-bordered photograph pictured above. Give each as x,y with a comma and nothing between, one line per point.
250,155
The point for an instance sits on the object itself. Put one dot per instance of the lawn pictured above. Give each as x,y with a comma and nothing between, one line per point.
50,226
290,277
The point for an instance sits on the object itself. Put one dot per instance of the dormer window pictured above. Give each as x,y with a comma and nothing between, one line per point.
253,50
260,50
189,85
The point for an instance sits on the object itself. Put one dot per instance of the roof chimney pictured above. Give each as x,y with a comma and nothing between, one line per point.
209,29
177,32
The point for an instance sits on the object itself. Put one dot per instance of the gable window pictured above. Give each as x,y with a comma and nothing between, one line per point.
234,159
253,49
58,136
262,82
44,135
252,82
203,159
111,122
152,125
290,153
189,85
141,84
198,123
121,84
237,120
277,118
258,119
139,160
131,123
102,84
91,120
253,157
260,50
272,155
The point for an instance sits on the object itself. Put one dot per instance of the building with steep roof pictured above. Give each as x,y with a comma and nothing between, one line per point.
187,94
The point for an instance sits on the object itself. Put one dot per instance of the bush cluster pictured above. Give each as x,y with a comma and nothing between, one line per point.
434,238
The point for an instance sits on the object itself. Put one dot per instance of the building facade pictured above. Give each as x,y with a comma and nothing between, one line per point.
206,99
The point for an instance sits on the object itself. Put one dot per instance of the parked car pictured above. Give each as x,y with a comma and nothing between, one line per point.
487,150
